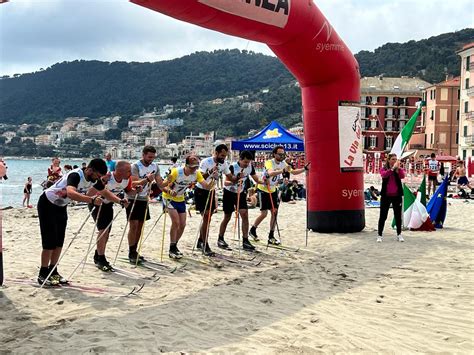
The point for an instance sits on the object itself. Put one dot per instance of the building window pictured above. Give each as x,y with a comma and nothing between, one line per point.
432,115
459,94
464,131
443,115
444,94
457,115
388,142
457,138
373,124
464,154
373,142
431,138
401,124
466,106
468,62
442,138
467,83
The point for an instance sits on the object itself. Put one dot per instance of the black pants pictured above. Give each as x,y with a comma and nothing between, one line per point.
385,202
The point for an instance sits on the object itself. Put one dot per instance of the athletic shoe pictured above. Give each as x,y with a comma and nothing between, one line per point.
133,256
49,282
379,239
102,263
272,240
253,234
175,254
207,249
400,238
179,252
61,280
247,246
221,243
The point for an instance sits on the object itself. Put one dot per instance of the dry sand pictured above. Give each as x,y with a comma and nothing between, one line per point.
343,293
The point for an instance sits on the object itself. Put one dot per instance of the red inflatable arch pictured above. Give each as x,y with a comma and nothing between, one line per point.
298,33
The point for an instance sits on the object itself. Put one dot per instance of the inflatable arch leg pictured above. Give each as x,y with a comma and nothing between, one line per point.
298,33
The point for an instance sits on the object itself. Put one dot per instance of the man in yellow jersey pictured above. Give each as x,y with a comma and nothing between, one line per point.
177,181
274,168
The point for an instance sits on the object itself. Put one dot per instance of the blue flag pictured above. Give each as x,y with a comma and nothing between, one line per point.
437,207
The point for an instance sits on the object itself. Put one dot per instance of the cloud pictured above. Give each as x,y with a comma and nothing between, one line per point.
38,33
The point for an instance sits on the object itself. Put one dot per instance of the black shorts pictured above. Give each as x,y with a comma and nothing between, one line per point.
266,203
106,215
202,199
138,211
230,201
432,178
53,223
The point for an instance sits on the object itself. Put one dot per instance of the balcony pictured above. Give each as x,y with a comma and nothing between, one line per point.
469,140
469,116
470,91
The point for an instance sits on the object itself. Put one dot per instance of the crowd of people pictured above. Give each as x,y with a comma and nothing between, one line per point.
435,171
101,183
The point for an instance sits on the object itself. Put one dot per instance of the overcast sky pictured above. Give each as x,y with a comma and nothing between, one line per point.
38,33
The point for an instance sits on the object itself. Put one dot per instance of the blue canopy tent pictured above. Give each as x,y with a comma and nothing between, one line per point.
268,138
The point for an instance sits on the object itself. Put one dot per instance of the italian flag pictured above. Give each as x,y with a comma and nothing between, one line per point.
404,137
414,213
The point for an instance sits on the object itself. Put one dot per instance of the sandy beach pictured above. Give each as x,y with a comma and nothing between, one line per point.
341,293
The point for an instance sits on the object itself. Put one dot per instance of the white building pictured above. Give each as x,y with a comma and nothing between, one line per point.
43,139
466,102
9,135
202,145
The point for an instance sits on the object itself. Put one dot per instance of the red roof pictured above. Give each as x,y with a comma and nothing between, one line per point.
467,46
451,82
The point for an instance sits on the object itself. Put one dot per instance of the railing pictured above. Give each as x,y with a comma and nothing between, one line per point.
469,140
470,91
469,115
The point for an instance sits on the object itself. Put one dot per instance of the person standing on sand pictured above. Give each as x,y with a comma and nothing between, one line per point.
232,202
273,171
144,173
433,171
462,179
110,163
27,192
177,181
54,172
52,213
211,168
117,182
391,194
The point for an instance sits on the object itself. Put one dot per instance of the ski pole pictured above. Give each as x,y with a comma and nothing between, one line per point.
92,235
125,229
103,234
67,248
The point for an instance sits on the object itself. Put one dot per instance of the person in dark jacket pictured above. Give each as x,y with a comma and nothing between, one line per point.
391,194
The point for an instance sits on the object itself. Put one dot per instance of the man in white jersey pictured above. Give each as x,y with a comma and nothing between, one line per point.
52,213
117,182
177,181
243,169
274,168
210,169
433,171
144,173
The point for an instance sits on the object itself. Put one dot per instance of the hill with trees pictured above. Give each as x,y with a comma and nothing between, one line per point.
95,89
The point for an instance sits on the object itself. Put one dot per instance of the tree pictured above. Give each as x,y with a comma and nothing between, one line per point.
113,133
